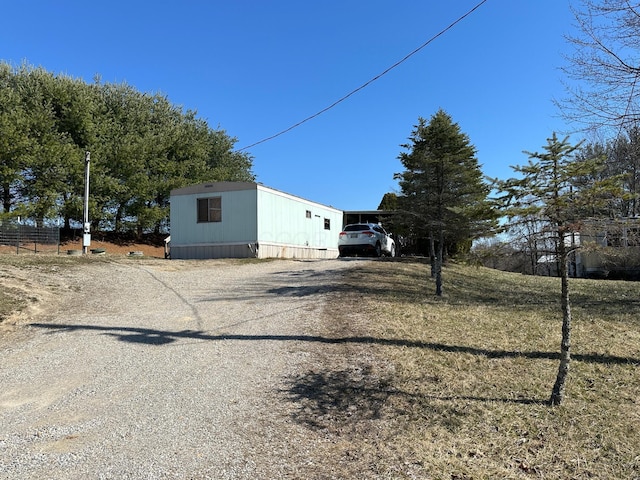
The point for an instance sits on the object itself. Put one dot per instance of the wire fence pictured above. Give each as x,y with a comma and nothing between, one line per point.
28,239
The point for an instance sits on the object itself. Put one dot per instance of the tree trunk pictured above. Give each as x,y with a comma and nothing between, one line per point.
6,198
117,227
557,394
533,257
432,255
438,262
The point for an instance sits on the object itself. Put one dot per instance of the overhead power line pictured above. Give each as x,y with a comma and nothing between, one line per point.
364,85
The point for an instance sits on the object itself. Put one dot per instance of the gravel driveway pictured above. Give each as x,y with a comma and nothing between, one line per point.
158,369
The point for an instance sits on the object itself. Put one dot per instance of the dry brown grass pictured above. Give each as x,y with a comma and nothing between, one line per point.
467,378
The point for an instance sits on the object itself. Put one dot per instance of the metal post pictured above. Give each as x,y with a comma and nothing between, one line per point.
86,238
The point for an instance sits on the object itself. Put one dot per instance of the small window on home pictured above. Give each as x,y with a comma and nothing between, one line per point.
308,213
327,224
210,209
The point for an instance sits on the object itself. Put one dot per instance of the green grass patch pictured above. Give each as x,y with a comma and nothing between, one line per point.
468,375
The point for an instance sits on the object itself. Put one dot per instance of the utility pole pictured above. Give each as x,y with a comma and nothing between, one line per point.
86,237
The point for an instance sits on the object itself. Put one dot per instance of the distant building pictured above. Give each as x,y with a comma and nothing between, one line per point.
604,248
611,248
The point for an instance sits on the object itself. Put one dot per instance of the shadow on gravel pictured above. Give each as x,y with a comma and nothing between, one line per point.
162,337
300,290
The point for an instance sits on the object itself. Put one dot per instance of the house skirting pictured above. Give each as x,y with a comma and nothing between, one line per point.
276,250
249,250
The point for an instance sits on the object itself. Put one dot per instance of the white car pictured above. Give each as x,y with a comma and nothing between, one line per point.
365,239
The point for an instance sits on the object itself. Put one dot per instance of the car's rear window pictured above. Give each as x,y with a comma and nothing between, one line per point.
356,228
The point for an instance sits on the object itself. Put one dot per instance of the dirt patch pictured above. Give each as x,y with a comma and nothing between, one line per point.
99,246
110,248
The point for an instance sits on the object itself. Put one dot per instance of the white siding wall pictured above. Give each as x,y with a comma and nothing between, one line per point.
238,219
283,220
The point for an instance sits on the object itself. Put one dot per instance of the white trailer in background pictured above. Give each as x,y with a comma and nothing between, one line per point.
246,219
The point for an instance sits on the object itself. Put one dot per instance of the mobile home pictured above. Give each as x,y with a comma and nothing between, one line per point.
247,219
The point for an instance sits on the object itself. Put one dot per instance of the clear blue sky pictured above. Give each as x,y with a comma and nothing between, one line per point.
255,67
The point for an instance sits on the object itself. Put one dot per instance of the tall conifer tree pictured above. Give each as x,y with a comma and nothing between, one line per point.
444,196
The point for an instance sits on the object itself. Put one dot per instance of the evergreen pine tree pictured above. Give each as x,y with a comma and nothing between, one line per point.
444,196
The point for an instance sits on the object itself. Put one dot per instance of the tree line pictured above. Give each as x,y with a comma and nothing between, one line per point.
443,196
142,146
446,200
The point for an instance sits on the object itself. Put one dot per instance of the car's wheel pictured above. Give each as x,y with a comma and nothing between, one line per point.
378,250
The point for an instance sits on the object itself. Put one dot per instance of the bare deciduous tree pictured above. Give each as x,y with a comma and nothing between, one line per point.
605,65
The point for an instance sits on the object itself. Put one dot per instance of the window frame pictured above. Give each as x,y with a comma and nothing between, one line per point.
213,209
